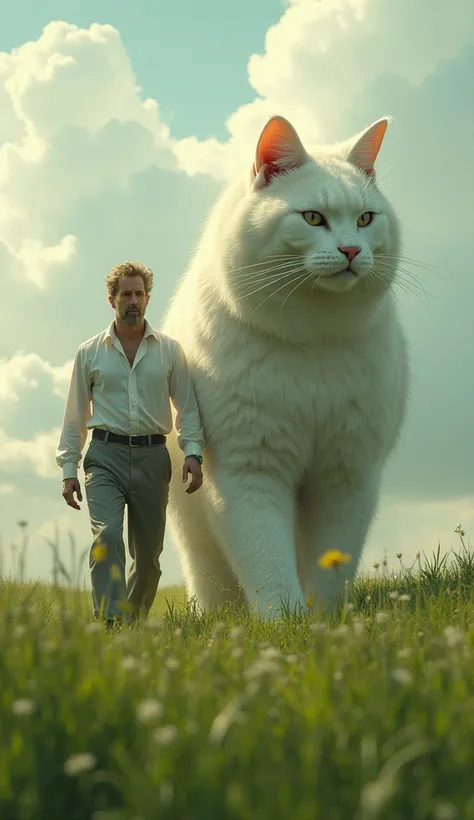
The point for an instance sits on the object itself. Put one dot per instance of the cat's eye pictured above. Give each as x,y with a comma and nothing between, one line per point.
365,219
314,218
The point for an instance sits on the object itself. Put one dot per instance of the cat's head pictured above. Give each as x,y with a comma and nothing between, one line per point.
312,221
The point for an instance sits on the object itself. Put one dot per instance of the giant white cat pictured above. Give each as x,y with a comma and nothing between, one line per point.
289,323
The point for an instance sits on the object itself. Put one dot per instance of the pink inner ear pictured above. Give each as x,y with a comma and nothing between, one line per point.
279,148
364,153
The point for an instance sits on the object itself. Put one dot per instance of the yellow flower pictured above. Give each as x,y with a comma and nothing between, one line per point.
333,558
115,572
309,602
99,552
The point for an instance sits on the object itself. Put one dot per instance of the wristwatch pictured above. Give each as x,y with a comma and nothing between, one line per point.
199,458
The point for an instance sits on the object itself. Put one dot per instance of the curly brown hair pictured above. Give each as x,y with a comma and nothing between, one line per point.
128,269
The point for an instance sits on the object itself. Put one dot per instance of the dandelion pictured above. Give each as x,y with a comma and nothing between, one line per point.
99,551
149,710
404,598
166,735
80,763
376,565
333,558
393,595
399,555
23,706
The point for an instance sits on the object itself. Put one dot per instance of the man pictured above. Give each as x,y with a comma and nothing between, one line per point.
129,373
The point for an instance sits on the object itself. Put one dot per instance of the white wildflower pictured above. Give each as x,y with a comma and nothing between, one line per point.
445,811
153,624
23,706
402,675
261,667
149,710
236,632
80,763
166,793
454,637
404,597
92,628
382,617
393,595
166,735
129,663
319,628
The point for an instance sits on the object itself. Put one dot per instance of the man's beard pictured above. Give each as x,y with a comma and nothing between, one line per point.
132,318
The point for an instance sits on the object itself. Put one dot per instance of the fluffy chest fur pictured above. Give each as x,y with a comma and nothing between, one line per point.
290,408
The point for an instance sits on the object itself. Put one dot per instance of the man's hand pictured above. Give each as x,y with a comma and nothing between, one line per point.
191,465
71,486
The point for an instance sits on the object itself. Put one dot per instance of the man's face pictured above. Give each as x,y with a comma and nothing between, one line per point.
131,300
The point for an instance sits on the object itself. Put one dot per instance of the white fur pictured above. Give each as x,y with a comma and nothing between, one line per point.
302,400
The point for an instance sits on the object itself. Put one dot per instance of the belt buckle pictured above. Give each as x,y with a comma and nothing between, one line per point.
131,442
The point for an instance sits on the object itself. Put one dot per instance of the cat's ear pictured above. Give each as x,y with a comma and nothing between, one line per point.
279,149
363,152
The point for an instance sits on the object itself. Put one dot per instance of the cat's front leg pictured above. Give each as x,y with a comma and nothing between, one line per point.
335,517
252,516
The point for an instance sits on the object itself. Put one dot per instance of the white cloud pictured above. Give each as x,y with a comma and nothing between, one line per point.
319,58
73,122
37,454
25,369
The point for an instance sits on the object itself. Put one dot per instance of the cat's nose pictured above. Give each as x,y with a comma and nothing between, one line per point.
350,251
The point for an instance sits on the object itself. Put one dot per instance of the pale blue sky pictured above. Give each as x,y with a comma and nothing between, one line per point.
190,56
90,176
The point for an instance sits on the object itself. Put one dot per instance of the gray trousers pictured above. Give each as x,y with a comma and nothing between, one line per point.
117,475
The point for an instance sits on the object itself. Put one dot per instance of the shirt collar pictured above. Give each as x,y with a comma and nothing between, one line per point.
149,331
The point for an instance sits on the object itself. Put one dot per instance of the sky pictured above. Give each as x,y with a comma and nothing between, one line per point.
119,126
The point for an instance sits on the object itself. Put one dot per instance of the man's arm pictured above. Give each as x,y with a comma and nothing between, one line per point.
76,416
188,419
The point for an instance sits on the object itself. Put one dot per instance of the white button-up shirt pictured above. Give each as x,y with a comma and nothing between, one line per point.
129,400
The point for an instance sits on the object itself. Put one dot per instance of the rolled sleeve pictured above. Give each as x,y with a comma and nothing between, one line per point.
76,416
188,419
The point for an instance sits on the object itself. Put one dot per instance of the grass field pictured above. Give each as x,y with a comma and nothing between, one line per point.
231,718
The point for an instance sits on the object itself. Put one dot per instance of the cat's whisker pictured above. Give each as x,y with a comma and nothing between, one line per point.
301,276
417,262
268,278
273,281
406,275
256,274
278,258
403,285
310,274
